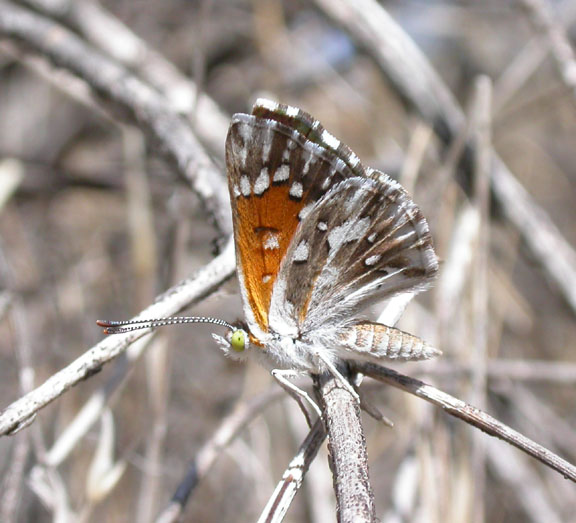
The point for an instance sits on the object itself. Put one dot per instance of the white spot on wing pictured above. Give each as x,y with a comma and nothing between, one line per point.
330,141
296,190
372,260
245,185
292,111
322,226
262,182
305,211
267,104
302,251
282,173
309,159
267,138
245,131
271,241
349,231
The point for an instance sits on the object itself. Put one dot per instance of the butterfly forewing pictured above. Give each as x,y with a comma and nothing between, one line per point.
275,175
310,128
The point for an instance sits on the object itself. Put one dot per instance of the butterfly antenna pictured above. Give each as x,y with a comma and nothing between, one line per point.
117,327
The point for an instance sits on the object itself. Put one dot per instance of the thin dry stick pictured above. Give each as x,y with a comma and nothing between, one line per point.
228,430
508,369
200,285
525,485
291,481
105,31
517,73
530,410
144,253
98,402
133,100
531,414
66,82
526,63
15,470
483,157
158,386
483,147
420,140
417,83
470,414
543,19
347,448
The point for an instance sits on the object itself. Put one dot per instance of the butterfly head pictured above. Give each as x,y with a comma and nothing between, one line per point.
235,343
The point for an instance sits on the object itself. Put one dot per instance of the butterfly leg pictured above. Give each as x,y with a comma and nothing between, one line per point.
299,395
338,375
367,406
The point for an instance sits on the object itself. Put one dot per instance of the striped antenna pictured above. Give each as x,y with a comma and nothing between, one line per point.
117,327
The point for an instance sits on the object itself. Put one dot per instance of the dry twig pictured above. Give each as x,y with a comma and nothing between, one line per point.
471,415
129,97
109,34
421,88
543,19
190,291
229,429
347,447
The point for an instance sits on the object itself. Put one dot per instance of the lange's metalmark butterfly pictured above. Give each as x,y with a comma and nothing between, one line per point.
318,238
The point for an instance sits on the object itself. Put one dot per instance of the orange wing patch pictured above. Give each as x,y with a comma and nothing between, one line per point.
263,232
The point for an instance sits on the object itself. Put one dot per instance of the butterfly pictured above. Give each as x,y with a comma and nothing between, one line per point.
318,237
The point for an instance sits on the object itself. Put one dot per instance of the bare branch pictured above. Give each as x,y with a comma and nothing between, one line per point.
543,19
470,414
132,100
172,301
508,369
229,429
347,447
417,83
109,34
291,481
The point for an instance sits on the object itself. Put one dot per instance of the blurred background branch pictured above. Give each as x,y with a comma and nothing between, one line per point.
95,95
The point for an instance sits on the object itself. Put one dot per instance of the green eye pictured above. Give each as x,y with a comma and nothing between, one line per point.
238,340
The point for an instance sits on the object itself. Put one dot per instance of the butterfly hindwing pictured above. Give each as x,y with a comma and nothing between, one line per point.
365,239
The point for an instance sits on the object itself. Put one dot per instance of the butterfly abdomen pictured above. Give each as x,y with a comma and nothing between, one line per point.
375,341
